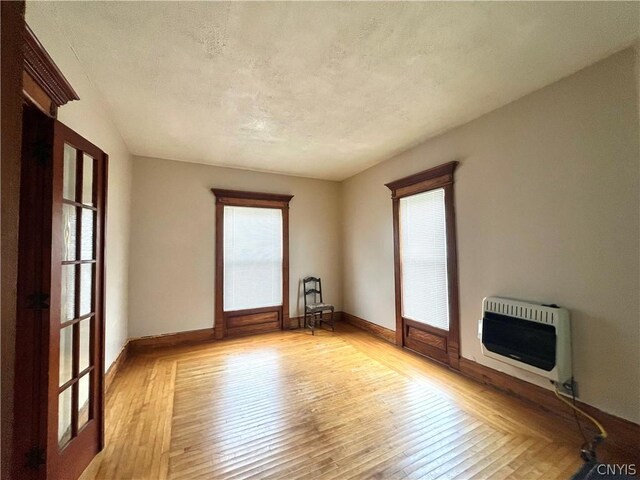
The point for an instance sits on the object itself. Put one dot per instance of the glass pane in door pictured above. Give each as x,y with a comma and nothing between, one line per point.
86,288
69,178
84,412
87,234
87,180
84,359
67,296
69,231
66,354
64,416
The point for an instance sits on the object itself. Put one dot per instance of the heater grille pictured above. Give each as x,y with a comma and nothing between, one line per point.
525,311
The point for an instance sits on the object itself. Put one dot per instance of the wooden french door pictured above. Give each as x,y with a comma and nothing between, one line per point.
76,341
60,334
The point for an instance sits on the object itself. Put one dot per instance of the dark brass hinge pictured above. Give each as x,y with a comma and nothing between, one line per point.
35,458
38,301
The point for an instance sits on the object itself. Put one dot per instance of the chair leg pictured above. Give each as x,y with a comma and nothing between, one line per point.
333,329
310,321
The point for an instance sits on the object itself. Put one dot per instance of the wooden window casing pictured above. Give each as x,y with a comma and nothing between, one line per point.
440,345
253,320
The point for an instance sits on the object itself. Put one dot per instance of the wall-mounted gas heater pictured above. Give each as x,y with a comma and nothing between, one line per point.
534,337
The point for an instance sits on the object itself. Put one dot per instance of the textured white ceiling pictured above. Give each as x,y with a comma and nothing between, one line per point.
320,89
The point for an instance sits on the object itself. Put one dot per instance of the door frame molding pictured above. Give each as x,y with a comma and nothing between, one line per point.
431,179
239,198
32,318
43,84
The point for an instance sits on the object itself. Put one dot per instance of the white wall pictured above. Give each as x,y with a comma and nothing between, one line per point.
89,117
173,240
547,210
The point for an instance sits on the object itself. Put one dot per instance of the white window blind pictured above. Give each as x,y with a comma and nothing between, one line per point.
423,253
252,257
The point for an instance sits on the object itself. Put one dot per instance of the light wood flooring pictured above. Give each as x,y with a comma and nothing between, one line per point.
335,406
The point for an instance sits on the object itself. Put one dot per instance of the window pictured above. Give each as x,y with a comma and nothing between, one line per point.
252,257
426,264
423,255
252,262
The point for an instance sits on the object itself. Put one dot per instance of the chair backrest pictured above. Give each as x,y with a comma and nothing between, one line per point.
312,286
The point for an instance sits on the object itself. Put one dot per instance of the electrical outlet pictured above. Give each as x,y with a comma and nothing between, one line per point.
570,387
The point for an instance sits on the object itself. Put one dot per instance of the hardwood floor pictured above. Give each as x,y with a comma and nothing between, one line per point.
334,405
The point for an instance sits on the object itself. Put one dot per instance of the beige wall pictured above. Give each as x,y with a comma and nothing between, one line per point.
89,117
547,210
173,240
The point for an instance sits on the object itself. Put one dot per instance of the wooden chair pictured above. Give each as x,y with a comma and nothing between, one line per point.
313,310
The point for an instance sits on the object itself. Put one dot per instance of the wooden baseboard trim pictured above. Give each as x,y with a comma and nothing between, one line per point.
172,339
195,336
374,329
624,435
116,366
297,322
